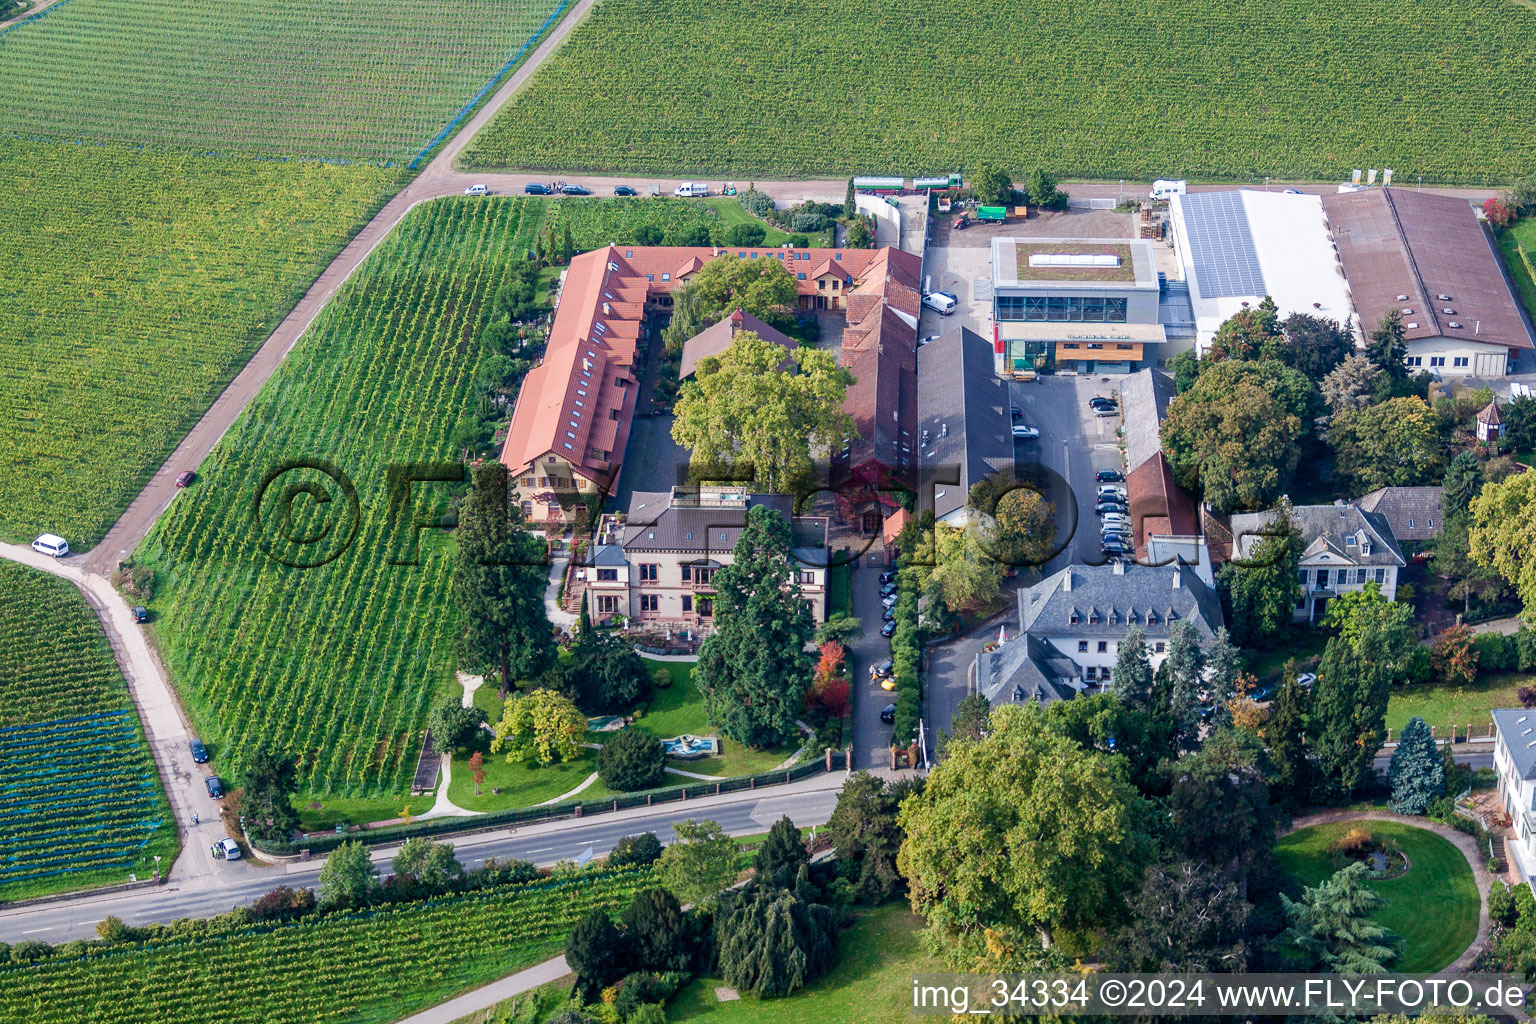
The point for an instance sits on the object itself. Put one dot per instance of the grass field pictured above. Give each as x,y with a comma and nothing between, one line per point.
871,984
1445,706
80,798
1520,234
369,967
1434,906
1229,91
368,79
338,662
136,286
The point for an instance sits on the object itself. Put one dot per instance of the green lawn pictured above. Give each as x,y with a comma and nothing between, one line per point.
1434,906
358,810
521,785
871,984
840,590
1445,706
1521,233
1307,645
732,212
678,709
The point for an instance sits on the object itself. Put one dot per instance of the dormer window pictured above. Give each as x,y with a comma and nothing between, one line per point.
1093,618
1072,620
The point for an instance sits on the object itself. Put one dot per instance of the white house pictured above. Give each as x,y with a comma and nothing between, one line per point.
1071,625
1344,547
1514,759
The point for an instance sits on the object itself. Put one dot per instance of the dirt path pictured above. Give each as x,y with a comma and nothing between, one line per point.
1476,859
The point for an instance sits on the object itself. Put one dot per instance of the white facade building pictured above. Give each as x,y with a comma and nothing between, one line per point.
1343,548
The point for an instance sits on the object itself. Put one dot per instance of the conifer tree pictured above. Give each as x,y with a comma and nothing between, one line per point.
1417,771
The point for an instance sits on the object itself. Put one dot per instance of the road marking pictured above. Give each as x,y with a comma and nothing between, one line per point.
32,931
542,849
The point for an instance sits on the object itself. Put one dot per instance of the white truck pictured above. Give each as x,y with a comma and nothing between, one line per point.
692,189
1164,189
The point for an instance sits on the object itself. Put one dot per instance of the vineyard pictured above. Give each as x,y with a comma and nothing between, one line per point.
368,966
327,647
369,79
1223,91
79,793
136,285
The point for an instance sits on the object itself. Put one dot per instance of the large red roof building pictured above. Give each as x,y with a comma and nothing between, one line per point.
574,410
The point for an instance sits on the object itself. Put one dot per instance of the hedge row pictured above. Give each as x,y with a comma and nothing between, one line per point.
906,660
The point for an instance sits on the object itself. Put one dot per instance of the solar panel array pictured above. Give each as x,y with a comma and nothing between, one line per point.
1221,246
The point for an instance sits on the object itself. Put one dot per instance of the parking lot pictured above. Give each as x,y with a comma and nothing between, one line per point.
1073,445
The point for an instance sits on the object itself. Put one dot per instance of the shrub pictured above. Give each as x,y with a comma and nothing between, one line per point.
1495,652
808,222
642,849
1498,212
758,204
1501,903
631,759
1357,840
799,241
661,678
1525,909
1525,649
746,234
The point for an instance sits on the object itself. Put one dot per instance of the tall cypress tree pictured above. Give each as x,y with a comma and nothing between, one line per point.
1417,772
1284,733
1223,666
1133,670
499,583
1186,665
782,854
1349,710
753,670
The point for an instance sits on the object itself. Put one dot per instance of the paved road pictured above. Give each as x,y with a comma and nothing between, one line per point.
871,737
807,803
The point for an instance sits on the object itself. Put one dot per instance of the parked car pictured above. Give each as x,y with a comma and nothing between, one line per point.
888,713
624,190
888,629
889,601
888,684
477,190
887,575
533,188
1261,694
1109,492
140,614
1025,431
1015,414
225,849
199,752
887,614
1290,192
1108,476
692,190
215,787
1098,400
51,544
1306,679
887,589
1102,411
941,302
575,190
962,222
1106,507
883,669
185,478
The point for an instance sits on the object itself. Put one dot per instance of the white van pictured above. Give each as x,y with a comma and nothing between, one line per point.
477,190
51,545
1164,189
692,189
225,849
943,302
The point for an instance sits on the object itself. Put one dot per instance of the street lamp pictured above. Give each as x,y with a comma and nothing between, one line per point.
1266,183
157,867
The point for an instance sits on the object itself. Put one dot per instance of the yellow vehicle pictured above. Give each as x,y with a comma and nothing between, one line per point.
888,683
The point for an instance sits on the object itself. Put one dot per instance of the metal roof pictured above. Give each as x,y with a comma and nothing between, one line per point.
1221,245
1517,727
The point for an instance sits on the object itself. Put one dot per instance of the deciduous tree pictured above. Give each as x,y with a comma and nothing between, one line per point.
753,670
957,568
1467,578
431,864
1022,530
1417,771
1314,345
1023,829
740,409
539,726
1187,918
348,877
1503,534
700,862
452,724
605,674
642,849
1453,658
1042,191
993,186
1395,443
1252,333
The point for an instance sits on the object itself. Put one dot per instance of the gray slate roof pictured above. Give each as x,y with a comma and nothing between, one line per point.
655,524
1518,727
1412,512
1105,603
962,419
606,555
1325,528
1144,398
1026,669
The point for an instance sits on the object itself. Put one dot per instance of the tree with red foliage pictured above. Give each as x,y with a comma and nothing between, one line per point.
1498,212
829,688
1453,657
477,770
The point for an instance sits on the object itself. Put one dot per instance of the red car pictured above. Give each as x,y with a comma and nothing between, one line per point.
185,478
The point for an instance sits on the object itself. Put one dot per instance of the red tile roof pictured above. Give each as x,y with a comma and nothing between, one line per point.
582,396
